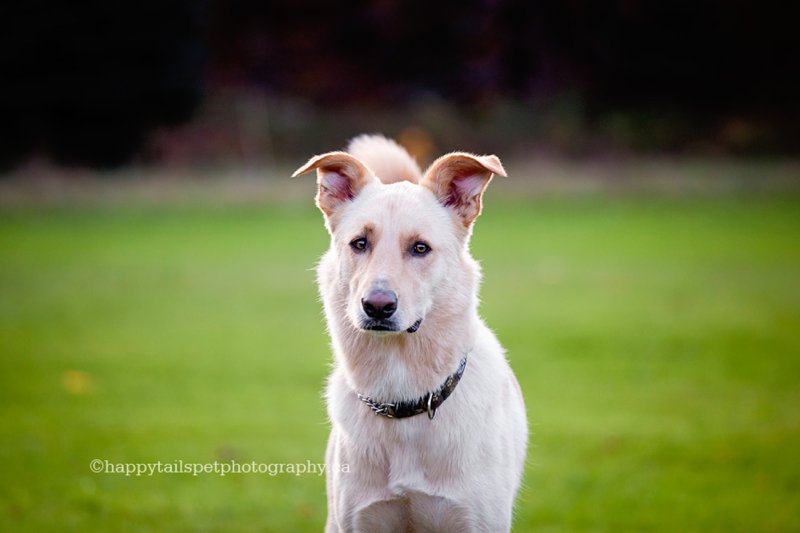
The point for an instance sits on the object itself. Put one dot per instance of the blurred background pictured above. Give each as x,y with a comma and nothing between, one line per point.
201,83
641,262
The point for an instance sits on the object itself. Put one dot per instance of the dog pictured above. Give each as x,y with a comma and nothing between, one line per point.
426,414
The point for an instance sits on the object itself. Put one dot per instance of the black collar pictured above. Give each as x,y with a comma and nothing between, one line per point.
425,404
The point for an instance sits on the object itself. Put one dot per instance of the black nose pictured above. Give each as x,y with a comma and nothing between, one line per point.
380,303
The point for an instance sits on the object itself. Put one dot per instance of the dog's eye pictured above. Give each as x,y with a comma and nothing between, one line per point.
358,245
420,248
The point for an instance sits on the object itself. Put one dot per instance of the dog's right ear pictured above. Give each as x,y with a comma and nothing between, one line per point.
340,177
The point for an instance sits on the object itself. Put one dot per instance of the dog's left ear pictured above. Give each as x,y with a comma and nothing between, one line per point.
459,179
340,177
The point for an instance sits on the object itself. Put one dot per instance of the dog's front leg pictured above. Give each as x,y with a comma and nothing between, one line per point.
358,496
331,525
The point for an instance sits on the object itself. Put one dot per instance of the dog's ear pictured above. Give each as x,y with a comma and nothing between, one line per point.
459,179
340,177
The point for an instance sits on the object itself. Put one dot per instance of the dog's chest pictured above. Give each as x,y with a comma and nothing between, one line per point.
417,456
420,481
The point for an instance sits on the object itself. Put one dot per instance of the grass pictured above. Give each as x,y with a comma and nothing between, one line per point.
657,342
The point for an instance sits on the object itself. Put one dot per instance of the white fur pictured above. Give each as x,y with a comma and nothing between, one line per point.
387,159
460,471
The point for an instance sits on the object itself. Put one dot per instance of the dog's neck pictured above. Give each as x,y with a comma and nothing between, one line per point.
404,366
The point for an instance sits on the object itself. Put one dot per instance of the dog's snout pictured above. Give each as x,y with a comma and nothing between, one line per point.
380,303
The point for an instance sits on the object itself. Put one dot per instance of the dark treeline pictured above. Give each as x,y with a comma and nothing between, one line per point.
86,83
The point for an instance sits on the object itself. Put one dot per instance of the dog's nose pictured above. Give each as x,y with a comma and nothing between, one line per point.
380,303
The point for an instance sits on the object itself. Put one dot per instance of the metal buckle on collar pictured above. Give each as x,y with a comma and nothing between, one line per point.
431,412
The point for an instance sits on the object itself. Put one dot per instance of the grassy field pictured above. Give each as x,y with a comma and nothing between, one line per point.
657,342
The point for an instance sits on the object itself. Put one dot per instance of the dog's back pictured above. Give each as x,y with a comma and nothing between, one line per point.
388,160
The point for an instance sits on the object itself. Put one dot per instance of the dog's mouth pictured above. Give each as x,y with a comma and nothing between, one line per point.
373,324
415,326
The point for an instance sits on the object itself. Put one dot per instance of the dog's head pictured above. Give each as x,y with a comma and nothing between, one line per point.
399,249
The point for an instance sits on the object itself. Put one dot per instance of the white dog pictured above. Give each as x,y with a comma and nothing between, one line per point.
425,410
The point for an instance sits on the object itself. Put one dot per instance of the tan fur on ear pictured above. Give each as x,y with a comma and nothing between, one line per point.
459,179
340,177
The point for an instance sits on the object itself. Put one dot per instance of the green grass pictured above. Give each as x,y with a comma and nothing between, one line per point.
657,343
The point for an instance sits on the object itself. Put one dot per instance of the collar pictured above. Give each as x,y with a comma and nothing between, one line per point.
425,404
